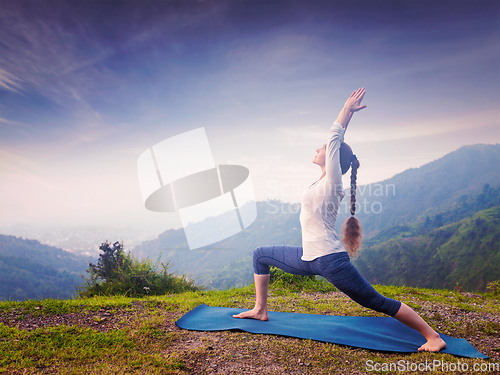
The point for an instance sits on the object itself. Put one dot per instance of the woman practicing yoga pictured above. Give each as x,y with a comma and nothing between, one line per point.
322,253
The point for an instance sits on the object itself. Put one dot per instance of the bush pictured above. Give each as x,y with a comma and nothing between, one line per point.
493,287
120,273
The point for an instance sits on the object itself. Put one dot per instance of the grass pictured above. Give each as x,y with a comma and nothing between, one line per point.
138,336
56,306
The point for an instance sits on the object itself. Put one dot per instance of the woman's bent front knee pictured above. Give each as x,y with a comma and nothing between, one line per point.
259,267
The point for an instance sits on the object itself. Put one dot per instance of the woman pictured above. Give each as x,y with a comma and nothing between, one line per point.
322,253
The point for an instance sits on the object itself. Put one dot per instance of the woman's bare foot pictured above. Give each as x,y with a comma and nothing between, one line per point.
253,314
433,345
409,317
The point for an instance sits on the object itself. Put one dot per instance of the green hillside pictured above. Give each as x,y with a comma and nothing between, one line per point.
29,269
471,258
22,279
465,253
46,255
431,188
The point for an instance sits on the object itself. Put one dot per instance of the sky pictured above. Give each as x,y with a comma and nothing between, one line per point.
87,86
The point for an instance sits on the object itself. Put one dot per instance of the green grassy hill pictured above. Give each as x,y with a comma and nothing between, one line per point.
464,254
117,335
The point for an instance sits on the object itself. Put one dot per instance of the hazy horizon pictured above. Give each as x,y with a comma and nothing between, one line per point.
159,229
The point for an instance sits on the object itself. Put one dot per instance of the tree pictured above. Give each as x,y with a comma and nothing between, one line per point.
112,263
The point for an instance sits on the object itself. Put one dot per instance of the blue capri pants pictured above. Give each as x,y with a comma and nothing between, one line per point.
336,268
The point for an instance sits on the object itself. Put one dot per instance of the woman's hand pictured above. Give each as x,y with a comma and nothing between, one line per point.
353,104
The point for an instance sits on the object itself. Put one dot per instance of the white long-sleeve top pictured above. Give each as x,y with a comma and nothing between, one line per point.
321,201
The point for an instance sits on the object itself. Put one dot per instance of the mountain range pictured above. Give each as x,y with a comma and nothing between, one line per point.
435,226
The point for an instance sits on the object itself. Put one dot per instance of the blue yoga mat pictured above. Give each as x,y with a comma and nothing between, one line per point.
376,333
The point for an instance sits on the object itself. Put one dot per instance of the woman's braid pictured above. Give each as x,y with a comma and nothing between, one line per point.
352,236
354,174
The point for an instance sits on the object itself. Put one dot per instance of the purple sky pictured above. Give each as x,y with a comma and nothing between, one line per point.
87,86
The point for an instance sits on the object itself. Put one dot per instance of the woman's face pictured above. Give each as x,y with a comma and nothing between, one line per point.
320,156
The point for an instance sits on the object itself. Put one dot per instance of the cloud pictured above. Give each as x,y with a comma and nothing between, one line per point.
279,54
304,135
12,163
445,60
405,129
8,81
39,56
5,121
17,126
16,169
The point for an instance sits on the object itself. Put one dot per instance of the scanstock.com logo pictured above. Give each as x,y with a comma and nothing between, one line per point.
214,202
